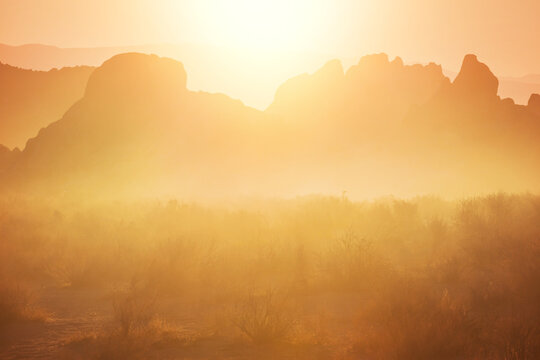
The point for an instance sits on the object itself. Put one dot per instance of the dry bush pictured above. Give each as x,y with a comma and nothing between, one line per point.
136,329
434,279
518,340
134,308
179,264
417,323
78,269
17,303
146,343
352,264
265,318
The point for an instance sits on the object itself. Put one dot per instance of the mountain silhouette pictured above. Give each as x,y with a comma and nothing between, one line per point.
218,69
138,127
367,97
486,142
475,80
233,71
380,127
395,120
46,57
534,104
30,100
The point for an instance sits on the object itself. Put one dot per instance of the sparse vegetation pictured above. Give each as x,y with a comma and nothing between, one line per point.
134,309
264,318
17,303
416,279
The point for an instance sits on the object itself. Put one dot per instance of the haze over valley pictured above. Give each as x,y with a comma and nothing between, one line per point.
285,179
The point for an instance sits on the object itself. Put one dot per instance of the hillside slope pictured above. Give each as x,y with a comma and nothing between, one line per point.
30,100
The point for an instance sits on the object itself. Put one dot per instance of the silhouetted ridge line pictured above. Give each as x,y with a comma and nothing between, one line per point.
30,100
380,127
534,104
136,76
475,80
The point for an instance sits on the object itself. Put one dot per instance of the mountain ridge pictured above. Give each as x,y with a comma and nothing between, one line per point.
139,130
257,69
31,99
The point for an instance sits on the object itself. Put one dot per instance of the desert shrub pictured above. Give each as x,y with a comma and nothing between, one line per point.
352,264
179,264
420,278
134,308
516,340
413,321
145,344
265,318
80,268
17,303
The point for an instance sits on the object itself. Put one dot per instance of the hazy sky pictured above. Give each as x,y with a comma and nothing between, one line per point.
505,34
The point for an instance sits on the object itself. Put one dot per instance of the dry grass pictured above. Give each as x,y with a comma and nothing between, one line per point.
17,303
265,318
395,279
134,308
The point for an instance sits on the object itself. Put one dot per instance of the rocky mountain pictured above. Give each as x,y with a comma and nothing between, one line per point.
232,71
219,69
412,129
371,96
30,100
381,127
482,141
138,127
534,104
475,82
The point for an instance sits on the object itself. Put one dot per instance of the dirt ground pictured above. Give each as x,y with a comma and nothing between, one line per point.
79,319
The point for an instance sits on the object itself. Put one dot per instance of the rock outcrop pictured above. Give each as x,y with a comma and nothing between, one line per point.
534,104
31,100
475,81
380,127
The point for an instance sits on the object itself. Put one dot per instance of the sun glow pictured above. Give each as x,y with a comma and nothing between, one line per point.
268,24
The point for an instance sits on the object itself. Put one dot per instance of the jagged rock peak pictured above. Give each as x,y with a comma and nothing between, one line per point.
475,79
534,104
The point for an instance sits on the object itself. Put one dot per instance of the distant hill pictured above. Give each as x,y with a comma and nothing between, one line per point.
138,127
381,127
231,71
235,72
530,78
45,57
30,100
519,89
373,92
474,137
457,137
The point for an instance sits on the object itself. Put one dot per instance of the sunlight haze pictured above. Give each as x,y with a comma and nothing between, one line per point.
269,180
417,30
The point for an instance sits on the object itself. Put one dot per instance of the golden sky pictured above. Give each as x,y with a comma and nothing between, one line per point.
504,34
